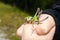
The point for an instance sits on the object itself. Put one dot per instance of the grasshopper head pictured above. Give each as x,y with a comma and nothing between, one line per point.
28,18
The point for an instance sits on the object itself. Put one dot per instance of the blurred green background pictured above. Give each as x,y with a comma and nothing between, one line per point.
13,12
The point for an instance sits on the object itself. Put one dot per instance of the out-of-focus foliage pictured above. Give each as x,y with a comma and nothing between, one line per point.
30,5
10,19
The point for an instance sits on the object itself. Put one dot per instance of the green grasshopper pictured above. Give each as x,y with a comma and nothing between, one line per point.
34,19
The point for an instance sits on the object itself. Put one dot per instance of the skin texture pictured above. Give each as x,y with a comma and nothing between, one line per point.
46,25
43,31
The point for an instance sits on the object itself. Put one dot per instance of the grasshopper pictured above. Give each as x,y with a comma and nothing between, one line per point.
35,18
